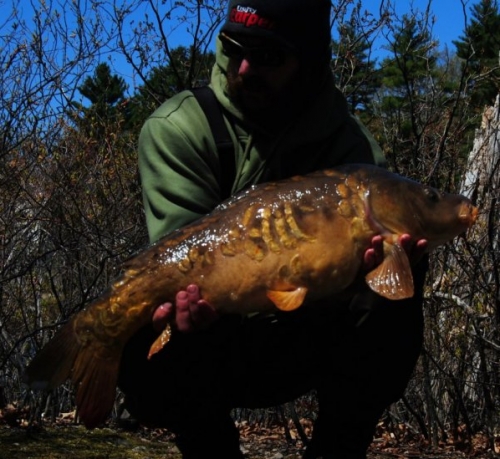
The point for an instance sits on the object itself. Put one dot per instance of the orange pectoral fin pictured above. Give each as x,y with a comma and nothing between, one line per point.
392,279
287,300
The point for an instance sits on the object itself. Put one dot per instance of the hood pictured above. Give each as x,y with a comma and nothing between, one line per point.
310,122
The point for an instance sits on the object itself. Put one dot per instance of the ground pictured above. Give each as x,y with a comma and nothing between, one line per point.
64,438
63,441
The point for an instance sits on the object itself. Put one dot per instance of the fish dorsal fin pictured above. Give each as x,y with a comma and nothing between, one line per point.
287,300
392,279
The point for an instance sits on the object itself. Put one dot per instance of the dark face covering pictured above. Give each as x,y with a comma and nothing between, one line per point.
269,106
267,82
264,103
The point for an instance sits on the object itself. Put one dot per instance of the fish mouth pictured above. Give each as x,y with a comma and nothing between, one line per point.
468,214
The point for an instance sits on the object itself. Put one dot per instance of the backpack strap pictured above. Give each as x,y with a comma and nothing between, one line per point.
213,111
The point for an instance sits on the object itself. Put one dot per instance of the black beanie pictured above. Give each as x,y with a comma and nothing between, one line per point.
301,24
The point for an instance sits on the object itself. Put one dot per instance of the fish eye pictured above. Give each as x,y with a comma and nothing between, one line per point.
432,194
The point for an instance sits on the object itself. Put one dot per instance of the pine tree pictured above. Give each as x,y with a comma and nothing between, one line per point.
106,92
407,79
353,70
103,88
479,47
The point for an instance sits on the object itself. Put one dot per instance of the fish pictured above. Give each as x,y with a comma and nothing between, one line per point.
275,246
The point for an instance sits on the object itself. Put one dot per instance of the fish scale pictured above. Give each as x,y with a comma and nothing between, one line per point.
275,246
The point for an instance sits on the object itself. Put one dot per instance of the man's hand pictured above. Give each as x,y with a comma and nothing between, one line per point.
414,249
375,254
190,312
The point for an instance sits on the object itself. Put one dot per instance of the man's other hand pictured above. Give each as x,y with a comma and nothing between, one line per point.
375,253
189,313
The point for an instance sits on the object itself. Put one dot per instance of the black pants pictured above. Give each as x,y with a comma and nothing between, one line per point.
357,367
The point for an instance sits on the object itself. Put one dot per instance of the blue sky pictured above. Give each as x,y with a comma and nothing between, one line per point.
449,21
449,16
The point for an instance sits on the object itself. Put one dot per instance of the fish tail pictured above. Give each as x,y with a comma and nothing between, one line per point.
96,379
53,364
93,376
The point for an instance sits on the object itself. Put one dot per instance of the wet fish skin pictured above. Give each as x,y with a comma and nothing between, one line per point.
275,245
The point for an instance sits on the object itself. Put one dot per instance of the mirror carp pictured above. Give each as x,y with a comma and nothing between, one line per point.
276,245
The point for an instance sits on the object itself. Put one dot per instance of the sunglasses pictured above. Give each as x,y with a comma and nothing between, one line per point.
265,56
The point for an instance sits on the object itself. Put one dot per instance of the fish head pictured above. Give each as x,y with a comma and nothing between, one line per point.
397,205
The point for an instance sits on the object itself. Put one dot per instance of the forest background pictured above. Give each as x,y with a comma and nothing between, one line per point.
70,204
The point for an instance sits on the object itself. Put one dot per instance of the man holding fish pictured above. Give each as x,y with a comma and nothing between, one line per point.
285,117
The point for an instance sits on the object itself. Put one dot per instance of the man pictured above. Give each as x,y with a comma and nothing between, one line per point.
285,117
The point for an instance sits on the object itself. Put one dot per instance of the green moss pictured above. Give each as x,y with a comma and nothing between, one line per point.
76,442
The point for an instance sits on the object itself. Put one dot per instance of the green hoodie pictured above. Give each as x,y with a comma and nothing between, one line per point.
179,163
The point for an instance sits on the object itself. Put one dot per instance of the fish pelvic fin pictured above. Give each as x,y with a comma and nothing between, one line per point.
161,341
393,278
287,300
